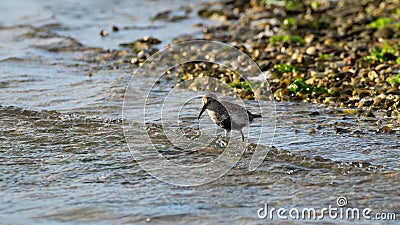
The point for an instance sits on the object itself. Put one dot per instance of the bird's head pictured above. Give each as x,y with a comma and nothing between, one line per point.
207,99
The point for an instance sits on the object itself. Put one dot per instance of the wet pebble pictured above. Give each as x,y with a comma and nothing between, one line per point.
103,33
369,114
312,50
114,28
384,33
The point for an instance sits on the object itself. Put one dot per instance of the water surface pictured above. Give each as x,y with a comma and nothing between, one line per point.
64,158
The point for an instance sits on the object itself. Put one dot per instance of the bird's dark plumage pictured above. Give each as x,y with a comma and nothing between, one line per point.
227,115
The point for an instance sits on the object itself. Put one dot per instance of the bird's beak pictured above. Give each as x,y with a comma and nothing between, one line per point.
202,110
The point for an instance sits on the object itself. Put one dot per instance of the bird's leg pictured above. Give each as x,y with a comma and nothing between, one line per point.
242,135
227,132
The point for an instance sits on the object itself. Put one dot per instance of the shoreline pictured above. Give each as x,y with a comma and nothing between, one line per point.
341,53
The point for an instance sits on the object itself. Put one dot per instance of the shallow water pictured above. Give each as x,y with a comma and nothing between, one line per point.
68,168
64,157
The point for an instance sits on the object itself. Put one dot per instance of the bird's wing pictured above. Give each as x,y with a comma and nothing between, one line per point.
237,113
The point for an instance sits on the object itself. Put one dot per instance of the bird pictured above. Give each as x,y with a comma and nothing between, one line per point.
229,116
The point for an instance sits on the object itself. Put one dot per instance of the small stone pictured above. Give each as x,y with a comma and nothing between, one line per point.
151,40
148,219
114,28
313,73
369,114
346,68
300,58
311,131
312,50
384,33
328,41
363,93
309,38
329,100
134,60
340,130
386,130
372,75
381,67
103,33
388,70
141,55
349,111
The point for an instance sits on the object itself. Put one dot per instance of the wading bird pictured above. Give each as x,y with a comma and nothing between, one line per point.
227,115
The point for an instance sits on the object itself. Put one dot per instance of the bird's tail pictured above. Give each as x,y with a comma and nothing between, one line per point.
256,115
